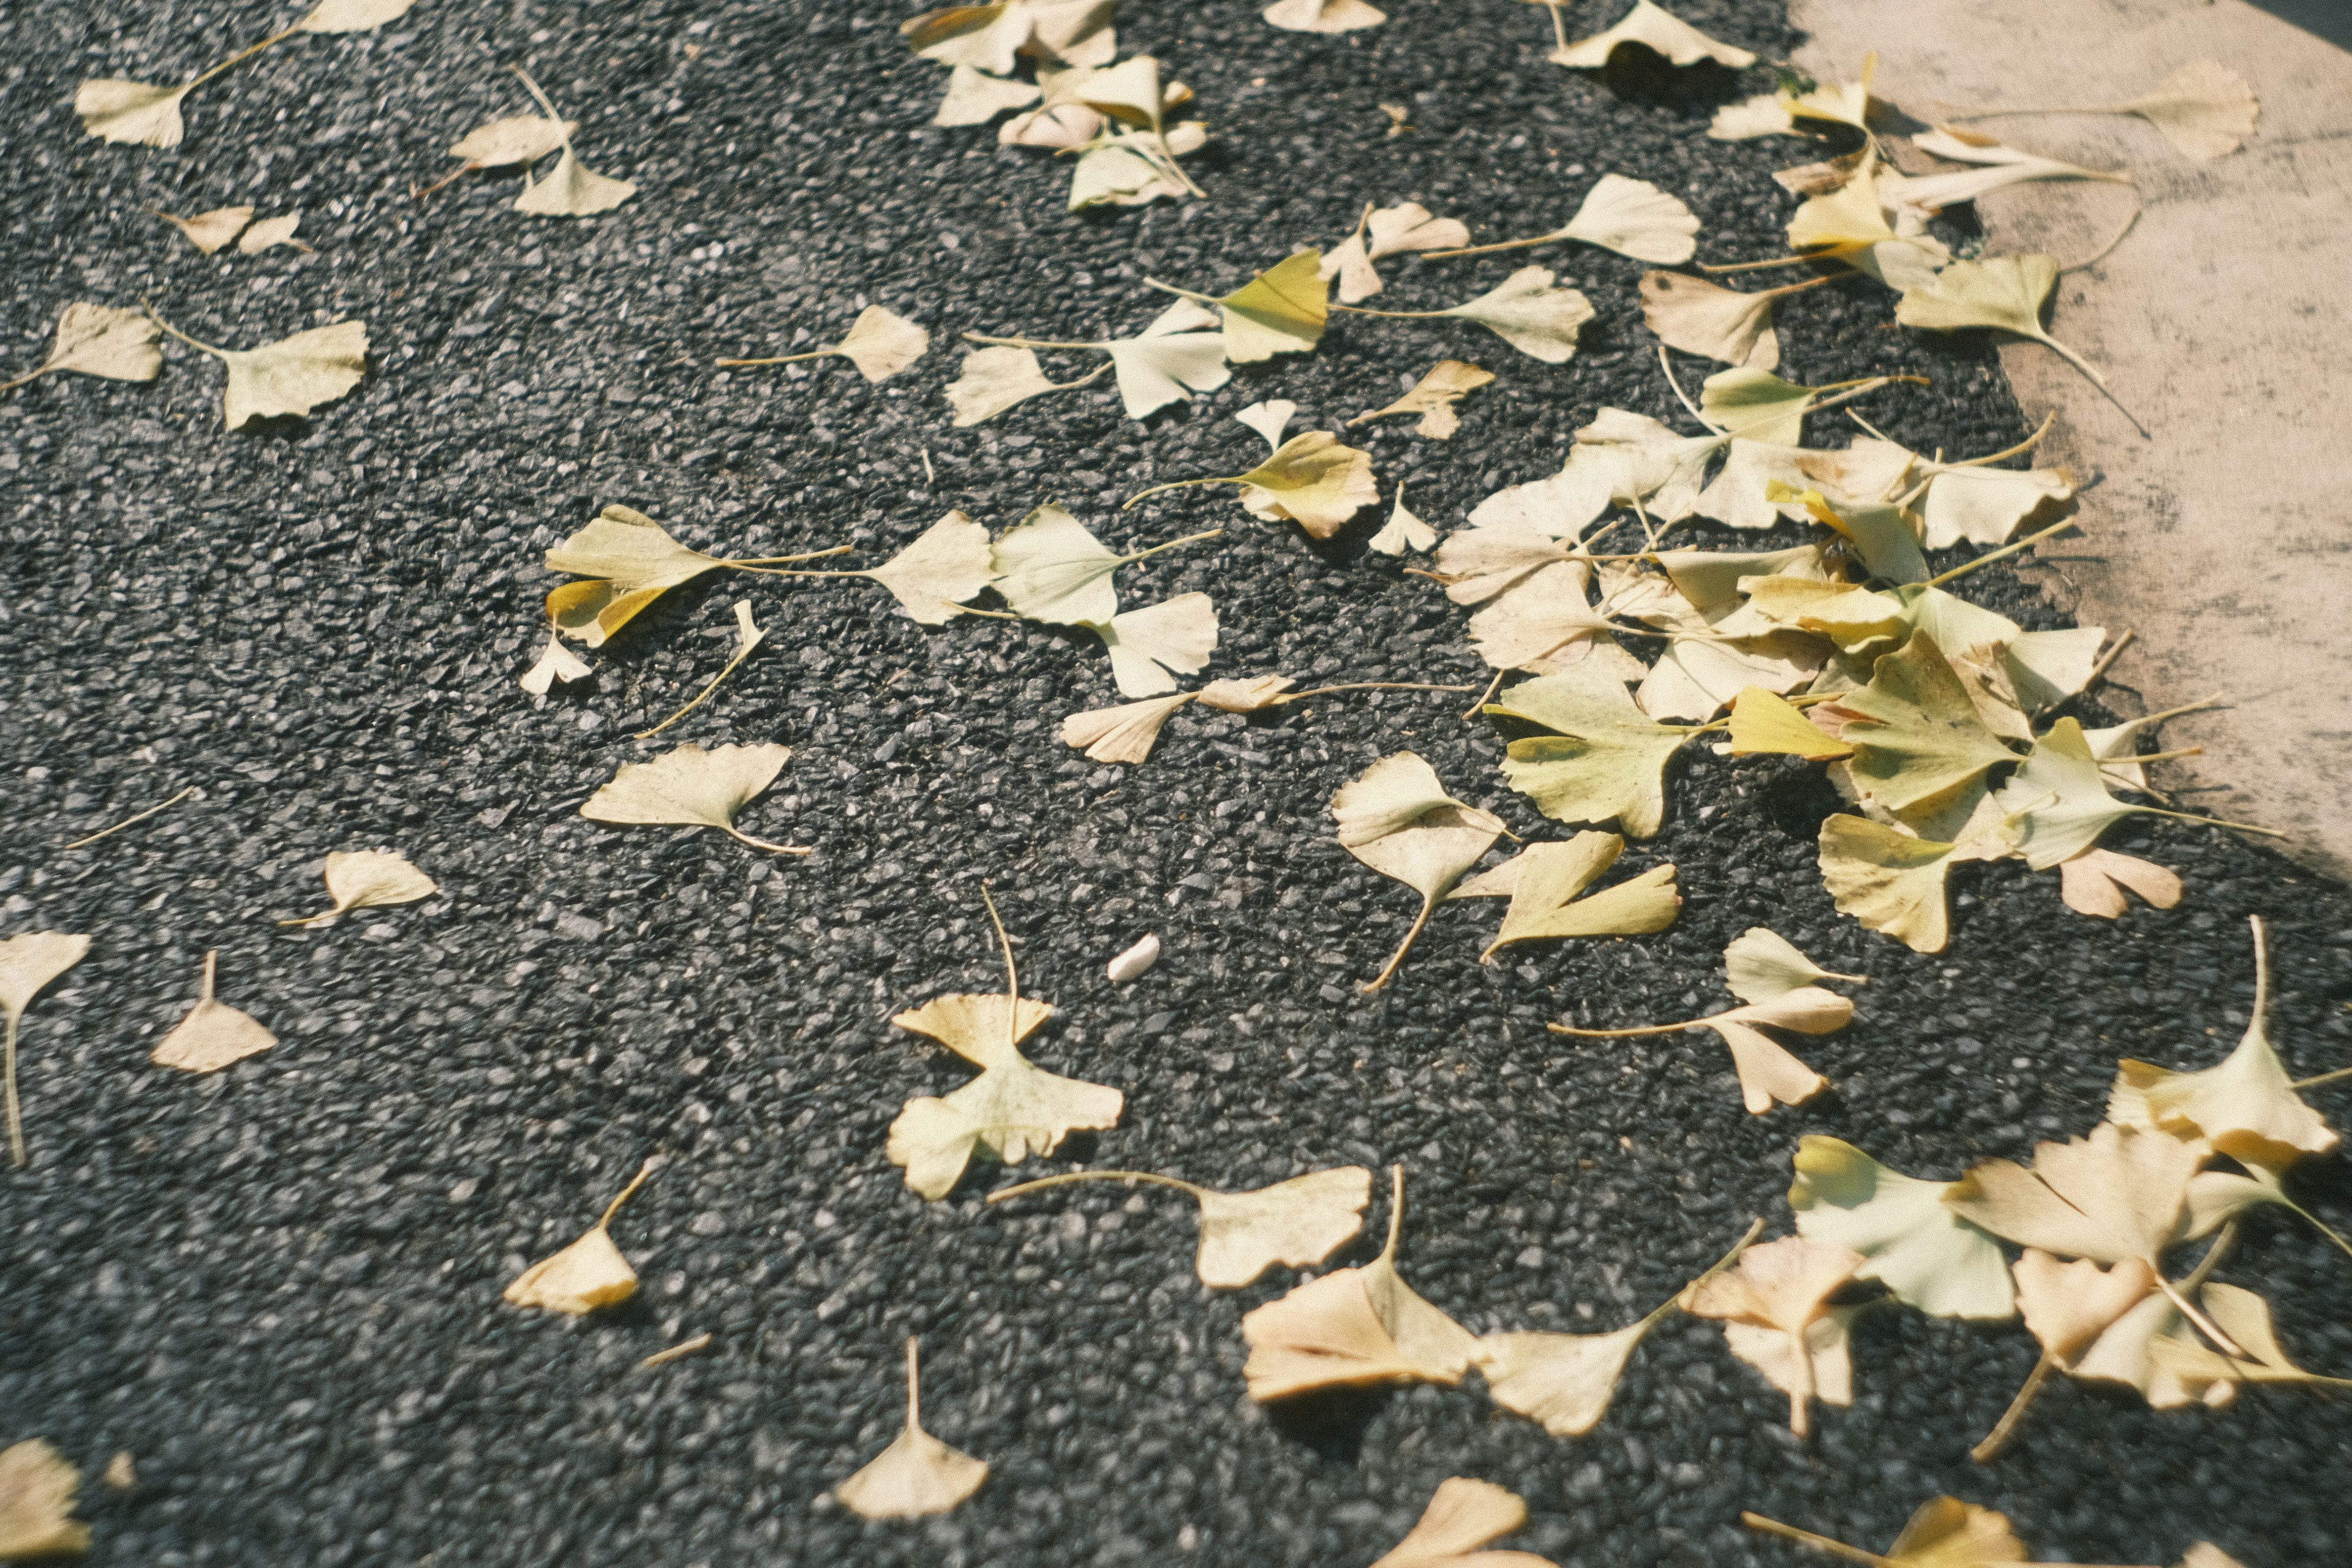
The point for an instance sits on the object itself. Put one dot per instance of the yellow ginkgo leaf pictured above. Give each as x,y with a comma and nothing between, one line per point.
1525,311
2093,883
1655,29
1404,528
1311,479
352,15
1295,1224
691,787
879,343
1462,1518
917,1475
1605,760
1890,880
132,112
1396,817
1945,1533
1927,1254
983,1029
291,376
1433,397
2006,292
209,231
37,1504
1150,646
1386,231
1763,723
516,138
1323,16
1125,733
27,962
1282,310
974,97
555,663
948,563
2204,109
214,1035
365,879
272,232
101,341
1784,1286
1546,883
994,379
1632,217
1706,319
586,1275
1049,568
572,190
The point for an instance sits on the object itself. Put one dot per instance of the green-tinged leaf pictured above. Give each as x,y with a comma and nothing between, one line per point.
2005,292
1929,1255
1916,733
2058,798
1606,760
1763,723
1313,480
1544,883
1280,311
1890,880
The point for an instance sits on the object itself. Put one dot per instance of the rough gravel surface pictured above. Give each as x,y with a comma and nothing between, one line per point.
278,1287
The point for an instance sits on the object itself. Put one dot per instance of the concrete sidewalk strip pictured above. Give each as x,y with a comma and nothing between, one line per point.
2223,537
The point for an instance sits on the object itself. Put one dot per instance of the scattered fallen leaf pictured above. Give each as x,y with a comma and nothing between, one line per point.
2068,1306
1282,310
1945,1533
556,663
120,1473
1526,312
2204,109
28,963
1396,817
1178,635
573,190
975,98
272,231
586,1275
917,1475
1606,760
1996,167
1403,531
1295,1224
1131,168
1125,733
1354,1328
292,376
1915,732
214,1035
989,37
1269,419
1984,505
691,787
1765,114
98,340
1171,359
367,879
352,15
2245,1317
1706,319
2093,883
1311,479
1825,1372
949,562
1323,16
1783,1286
516,138
211,230
1544,883
1890,880
1050,569
1765,723
878,344
1632,217
2119,1193
114,110
1927,1254
2002,291
1462,1517
1655,29
1387,231
36,1503
1433,397
995,378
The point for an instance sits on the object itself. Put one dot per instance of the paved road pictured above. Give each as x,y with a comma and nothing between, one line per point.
279,1288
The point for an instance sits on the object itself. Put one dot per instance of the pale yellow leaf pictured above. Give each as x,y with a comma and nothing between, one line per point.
1655,29
917,1475
272,231
1433,397
691,787
132,111
209,231
354,15
1462,1518
1150,647
572,190
213,1035
518,139
586,1275
1122,734
1323,16
368,879
36,1503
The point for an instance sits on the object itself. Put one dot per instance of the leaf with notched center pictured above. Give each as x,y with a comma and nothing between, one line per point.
1658,30
917,1475
292,376
1462,1518
1150,647
691,787
1396,817
1606,760
209,231
1125,733
1784,1286
367,879
1544,883
100,340
214,1035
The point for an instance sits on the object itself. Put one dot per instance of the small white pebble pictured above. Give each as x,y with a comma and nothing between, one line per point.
1134,960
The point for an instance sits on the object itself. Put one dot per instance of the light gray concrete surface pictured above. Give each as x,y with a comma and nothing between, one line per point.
2223,322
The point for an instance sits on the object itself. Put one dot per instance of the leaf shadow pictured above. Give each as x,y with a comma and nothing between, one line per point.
1333,1423
1638,74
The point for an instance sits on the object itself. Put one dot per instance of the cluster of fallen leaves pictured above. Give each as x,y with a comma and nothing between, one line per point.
290,376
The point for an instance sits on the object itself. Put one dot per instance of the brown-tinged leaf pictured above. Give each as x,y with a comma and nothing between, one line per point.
213,1035
917,1475
2069,1305
2119,1193
588,1274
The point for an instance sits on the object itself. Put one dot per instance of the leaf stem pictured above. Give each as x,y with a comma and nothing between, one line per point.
1396,1211
2027,542
1012,974
1761,265
31,375
914,1388
221,354
419,193
2110,656
206,995
1067,1177
781,359
2108,249
544,102
1480,250
1026,343
2316,1223
1998,1440
1818,1543
1368,686
1188,539
2205,1325
2338,1076
1492,687
644,1172
1389,973
1186,293
130,821
742,837
1624,1034
2210,821
15,1114
750,645
1559,27
242,55
1177,485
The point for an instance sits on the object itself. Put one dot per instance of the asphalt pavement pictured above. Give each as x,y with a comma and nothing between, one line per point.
278,1287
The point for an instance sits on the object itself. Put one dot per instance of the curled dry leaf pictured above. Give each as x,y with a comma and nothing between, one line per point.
1433,397
101,341
1132,168
1354,1328
975,98
28,963
1403,531
1782,1287
366,879
292,376
917,1475
1125,733
691,787
1396,817
1323,16
1258,694
1632,217
209,231
1150,647
1606,760
1295,1224
214,1035
1927,1254
879,343
1655,29
556,663
993,379
36,1503
272,231
586,1275
518,139
1462,1518
1387,231
1996,166
1544,883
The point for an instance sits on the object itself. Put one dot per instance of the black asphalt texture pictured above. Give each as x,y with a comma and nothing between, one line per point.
278,1287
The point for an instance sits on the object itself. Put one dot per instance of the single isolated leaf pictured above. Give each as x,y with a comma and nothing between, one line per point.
949,562
28,963
1396,817
1012,1110
917,1475
516,138
132,112
214,1035
1929,1257
691,787
1655,29
1323,16
367,879
1387,231
292,376
573,190
586,1275
1462,1517
1606,761
878,344
1544,883
1295,1224
272,231
1632,217
1783,1286
1311,479
1403,531
2118,1194
98,340
209,231
1354,1328
1433,397
556,663
36,1503
354,15
1178,635
1890,880
1527,312
1050,569
2006,292
1125,733
994,379
1711,320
